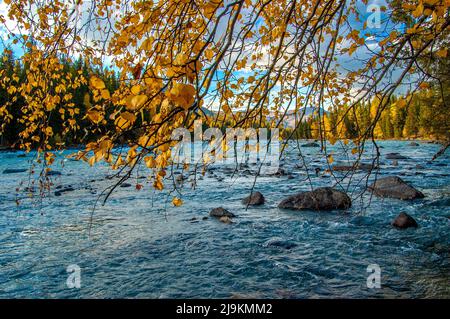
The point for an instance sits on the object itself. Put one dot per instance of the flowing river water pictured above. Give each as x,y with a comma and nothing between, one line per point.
141,246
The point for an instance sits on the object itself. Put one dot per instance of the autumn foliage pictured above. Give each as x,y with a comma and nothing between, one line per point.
248,61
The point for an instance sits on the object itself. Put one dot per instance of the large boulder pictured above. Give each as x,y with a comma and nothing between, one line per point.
220,212
403,220
394,187
325,198
256,198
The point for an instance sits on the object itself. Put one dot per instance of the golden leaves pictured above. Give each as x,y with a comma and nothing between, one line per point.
182,94
95,116
177,202
442,53
97,83
136,101
330,159
125,120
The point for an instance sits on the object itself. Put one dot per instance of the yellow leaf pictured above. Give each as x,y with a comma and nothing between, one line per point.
136,101
92,161
354,150
136,89
105,94
424,85
330,159
209,54
95,116
97,83
177,202
182,94
125,120
442,53
158,185
150,161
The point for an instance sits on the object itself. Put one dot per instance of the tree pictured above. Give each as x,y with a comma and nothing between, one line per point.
248,58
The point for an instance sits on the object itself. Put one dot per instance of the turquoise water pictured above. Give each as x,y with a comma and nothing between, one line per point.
141,246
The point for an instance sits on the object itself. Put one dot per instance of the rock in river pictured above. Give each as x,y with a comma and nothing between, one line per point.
403,220
394,187
313,144
220,212
396,156
256,198
325,198
14,170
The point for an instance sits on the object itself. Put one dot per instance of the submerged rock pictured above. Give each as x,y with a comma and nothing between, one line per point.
53,173
414,144
64,190
395,156
256,198
325,198
312,144
280,243
220,212
14,170
125,185
394,187
403,221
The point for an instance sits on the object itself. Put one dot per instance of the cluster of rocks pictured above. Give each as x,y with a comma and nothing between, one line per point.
327,199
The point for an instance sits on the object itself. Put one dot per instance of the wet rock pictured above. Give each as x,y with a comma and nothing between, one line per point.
14,170
125,185
290,176
64,190
312,144
220,212
256,198
205,218
225,220
22,155
394,163
285,244
418,166
193,220
280,172
414,144
395,156
325,198
394,187
180,178
53,173
403,221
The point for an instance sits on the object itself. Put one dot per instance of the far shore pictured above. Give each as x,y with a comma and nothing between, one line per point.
8,148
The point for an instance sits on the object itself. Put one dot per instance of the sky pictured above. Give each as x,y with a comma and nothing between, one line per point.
345,62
